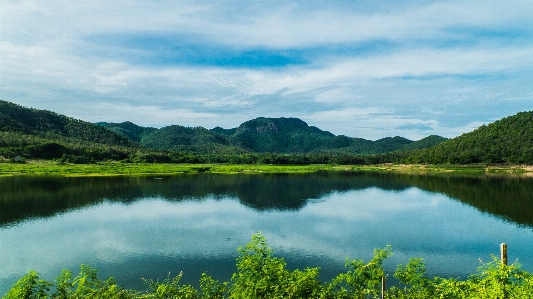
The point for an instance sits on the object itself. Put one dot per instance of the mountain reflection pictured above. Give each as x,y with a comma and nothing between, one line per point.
22,198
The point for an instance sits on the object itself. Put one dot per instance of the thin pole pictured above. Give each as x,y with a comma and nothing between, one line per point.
383,287
503,252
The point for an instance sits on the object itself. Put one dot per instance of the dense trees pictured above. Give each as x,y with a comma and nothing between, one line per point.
509,140
128,129
47,124
263,135
33,133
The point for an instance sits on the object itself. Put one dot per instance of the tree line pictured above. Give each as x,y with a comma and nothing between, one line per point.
27,133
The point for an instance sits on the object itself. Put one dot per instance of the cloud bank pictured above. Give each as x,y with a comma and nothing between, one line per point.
356,68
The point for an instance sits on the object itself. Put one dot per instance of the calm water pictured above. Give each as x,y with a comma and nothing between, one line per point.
134,228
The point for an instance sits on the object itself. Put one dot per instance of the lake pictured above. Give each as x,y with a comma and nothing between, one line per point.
148,227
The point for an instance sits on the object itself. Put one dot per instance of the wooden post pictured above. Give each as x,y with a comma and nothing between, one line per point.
503,253
383,287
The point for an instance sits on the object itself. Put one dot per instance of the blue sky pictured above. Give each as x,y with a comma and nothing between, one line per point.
369,69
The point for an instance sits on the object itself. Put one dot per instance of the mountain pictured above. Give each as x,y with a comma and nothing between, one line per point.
195,140
263,135
425,142
279,135
293,135
29,121
46,134
128,129
37,133
362,146
509,140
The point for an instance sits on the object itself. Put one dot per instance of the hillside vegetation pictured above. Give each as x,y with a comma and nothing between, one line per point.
32,133
509,140
45,134
263,135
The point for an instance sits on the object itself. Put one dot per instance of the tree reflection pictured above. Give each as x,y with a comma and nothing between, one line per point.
510,198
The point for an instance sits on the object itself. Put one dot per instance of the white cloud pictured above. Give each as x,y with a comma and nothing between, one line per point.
150,115
348,113
50,60
277,25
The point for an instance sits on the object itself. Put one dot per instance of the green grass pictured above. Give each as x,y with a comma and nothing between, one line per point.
117,169
42,167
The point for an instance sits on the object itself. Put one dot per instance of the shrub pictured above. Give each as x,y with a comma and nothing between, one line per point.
261,275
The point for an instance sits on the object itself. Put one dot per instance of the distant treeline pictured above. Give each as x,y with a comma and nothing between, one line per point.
27,133
90,154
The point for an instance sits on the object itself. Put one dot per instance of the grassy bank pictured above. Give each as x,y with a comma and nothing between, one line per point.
41,167
118,168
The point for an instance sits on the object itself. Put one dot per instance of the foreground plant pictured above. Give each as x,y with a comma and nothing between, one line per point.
261,275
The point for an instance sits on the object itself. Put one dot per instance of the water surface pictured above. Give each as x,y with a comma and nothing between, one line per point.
148,227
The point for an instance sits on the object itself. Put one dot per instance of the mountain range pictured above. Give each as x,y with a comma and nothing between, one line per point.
262,135
34,133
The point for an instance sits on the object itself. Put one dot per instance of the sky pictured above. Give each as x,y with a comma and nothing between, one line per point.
368,69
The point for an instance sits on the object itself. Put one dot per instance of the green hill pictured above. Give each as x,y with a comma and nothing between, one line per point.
380,146
279,135
34,133
425,142
186,139
509,140
128,129
15,118
262,135
293,135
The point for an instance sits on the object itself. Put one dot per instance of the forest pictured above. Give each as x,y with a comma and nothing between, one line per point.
509,140
27,133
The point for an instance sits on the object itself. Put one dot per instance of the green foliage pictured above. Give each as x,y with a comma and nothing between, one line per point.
29,121
425,142
413,276
509,140
128,129
261,275
33,133
414,273
41,134
211,288
85,285
361,279
169,288
493,280
29,287
260,135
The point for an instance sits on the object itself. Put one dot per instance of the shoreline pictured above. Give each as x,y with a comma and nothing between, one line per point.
52,168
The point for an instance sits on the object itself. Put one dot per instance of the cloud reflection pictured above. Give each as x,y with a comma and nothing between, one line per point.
351,224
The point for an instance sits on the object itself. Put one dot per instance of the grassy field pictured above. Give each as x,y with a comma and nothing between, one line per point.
117,169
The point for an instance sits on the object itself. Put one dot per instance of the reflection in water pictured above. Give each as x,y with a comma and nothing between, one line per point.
133,227
26,197
42,197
